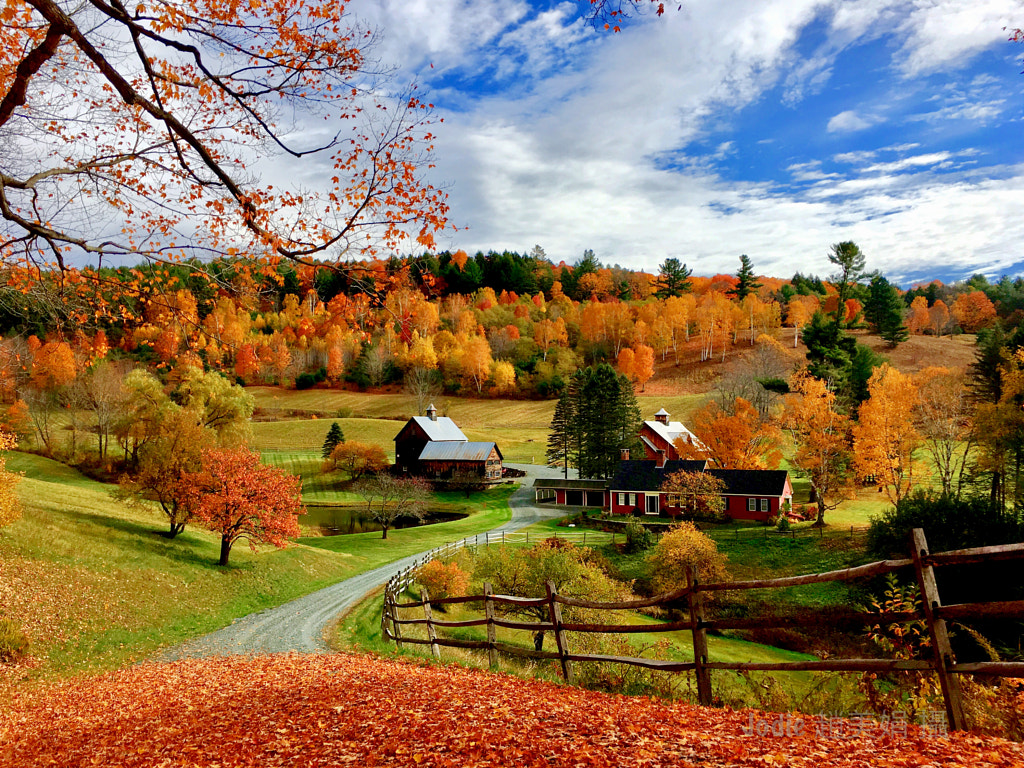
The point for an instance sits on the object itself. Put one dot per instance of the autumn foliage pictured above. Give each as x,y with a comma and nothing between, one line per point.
359,710
10,504
240,498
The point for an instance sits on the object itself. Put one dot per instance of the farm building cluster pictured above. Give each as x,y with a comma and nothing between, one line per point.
434,448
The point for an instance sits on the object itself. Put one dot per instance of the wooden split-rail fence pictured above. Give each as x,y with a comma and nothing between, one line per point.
690,598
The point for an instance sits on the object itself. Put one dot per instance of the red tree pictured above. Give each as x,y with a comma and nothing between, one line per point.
244,499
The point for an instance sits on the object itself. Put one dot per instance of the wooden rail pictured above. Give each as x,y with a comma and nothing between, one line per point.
690,598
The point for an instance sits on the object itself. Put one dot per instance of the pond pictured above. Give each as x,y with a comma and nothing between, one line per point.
336,520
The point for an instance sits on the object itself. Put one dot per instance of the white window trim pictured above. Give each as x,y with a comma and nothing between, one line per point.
751,505
764,505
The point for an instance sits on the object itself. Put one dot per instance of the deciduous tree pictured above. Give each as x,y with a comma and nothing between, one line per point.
356,458
822,436
154,109
736,439
944,419
884,436
244,499
973,311
388,498
699,493
685,546
10,504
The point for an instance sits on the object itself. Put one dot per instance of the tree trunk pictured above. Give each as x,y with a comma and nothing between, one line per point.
225,550
820,522
384,532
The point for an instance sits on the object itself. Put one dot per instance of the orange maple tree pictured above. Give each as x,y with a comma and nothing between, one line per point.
240,498
137,126
822,436
739,439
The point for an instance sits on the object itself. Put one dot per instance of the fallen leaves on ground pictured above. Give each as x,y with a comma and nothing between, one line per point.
338,710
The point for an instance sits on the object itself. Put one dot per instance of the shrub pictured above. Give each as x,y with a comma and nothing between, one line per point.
684,546
948,523
783,523
13,642
638,538
443,579
305,381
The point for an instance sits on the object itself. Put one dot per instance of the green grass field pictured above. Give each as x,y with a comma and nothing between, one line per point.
95,585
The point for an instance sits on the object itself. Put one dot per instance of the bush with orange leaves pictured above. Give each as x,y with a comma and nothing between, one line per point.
443,580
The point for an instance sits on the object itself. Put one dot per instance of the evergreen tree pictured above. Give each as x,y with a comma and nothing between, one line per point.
596,417
830,350
884,311
747,283
561,439
673,279
848,257
334,438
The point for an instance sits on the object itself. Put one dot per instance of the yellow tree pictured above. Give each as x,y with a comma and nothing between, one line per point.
944,419
626,362
799,311
822,437
885,437
643,364
938,317
549,333
475,362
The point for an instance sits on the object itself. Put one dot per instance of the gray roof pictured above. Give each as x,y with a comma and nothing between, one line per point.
442,429
456,451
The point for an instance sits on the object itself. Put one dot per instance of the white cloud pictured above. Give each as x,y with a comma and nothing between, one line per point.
848,121
589,145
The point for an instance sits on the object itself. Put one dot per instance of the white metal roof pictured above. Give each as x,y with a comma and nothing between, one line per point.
444,429
672,431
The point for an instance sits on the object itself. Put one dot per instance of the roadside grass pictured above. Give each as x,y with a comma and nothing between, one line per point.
95,585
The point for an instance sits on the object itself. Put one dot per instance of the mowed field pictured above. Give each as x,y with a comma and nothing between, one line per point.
519,427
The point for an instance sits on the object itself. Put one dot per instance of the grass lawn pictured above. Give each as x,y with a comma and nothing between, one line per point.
95,585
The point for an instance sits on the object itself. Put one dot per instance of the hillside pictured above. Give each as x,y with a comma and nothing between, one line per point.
360,710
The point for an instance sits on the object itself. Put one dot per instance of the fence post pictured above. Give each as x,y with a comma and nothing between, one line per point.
492,652
429,616
700,639
941,649
584,537
503,537
396,628
555,610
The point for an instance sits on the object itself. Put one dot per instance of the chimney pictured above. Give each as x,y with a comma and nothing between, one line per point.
432,412
661,459
661,416
624,454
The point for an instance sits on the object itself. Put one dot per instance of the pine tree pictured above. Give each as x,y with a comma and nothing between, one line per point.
747,282
673,279
560,439
334,437
884,311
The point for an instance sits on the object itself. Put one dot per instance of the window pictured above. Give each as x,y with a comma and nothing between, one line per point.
622,499
751,505
725,503
764,505
632,499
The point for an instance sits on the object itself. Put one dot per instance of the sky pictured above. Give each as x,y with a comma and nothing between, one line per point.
772,128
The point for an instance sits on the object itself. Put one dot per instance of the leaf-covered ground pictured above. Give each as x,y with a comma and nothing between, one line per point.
343,710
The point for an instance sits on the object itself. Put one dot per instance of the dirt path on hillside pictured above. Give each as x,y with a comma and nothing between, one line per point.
299,625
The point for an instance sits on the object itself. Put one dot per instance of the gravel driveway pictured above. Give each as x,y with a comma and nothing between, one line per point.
299,625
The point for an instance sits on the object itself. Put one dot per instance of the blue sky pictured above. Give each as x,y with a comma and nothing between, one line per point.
772,128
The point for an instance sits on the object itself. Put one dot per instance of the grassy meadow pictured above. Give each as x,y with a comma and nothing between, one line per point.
95,584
